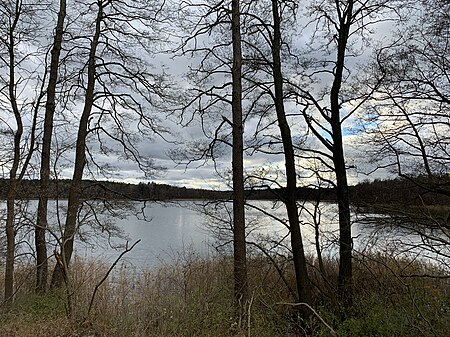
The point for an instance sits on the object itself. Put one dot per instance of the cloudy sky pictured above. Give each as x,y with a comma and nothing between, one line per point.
203,174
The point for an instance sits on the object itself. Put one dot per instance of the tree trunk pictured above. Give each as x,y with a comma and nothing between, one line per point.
290,195
10,223
10,213
11,41
10,202
80,160
345,281
41,225
240,255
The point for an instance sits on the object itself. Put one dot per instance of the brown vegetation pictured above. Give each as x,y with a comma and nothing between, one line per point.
194,297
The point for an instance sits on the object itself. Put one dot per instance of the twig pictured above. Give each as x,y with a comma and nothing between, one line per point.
107,274
249,312
333,333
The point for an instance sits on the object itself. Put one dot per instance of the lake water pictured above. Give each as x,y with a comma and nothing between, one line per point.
171,231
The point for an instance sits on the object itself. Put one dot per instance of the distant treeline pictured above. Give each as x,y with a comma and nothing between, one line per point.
29,189
403,191
399,191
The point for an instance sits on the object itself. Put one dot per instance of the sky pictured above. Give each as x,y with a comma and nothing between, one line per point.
199,174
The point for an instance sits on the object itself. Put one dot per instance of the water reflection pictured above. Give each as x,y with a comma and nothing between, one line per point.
170,230
204,228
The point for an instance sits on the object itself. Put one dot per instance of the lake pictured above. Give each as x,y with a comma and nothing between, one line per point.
171,231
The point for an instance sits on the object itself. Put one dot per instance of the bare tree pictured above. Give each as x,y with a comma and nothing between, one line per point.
340,29
408,122
258,78
407,125
240,255
118,90
269,79
18,27
50,106
208,99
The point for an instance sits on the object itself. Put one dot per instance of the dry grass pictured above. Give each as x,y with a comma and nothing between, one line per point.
193,297
188,298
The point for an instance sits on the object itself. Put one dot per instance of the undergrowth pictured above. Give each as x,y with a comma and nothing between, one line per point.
193,297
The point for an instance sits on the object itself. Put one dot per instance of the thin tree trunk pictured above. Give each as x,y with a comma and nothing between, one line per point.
10,202
345,281
317,237
10,213
290,195
41,225
10,246
240,255
14,176
80,160
10,216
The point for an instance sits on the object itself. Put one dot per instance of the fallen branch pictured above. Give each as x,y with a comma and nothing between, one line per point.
127,250
333,333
